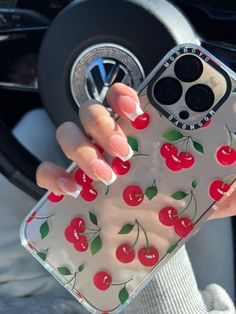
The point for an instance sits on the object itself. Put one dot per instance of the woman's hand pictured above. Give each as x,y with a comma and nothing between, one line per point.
105,132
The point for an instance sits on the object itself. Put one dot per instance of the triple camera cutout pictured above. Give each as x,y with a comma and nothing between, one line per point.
188,89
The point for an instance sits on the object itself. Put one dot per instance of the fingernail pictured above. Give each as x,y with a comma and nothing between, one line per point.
129,107
103,171
69,187
120,147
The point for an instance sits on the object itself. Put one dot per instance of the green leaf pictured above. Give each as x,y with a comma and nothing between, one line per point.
179,195
133,143
93,218
81,268
234,90
151,192
64,271
96,245
171,248
126,229
44,230
194,184
42,255
172,135
198,147
123,295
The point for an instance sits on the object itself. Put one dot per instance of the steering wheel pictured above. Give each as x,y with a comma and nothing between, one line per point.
90,45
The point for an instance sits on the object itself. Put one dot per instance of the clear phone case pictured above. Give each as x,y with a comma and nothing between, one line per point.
107,244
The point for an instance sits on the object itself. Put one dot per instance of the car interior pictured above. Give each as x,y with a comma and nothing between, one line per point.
55,54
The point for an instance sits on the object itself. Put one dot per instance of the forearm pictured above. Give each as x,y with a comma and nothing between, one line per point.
174,290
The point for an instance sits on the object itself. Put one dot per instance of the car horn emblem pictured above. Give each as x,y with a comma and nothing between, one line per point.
100,66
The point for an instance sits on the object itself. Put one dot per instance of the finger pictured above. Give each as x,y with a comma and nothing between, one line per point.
124,101
98,124
79,148
51,177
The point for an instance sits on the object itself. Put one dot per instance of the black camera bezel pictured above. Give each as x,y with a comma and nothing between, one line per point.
166,63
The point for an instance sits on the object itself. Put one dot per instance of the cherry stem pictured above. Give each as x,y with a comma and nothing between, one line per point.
145,106
91,238
71,278
107,190
186,207
140,194
43,217
137,237
74,281
87,228
230,136
183,144
147,242
86,233
121,283
195,209
139,154
187,145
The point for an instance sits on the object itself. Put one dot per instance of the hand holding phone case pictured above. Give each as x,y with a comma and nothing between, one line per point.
108,243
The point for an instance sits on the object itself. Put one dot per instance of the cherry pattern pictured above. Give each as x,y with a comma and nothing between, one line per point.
55,198
65,271
218,189
120,167
125,253
88,192
141,122
82,236
226,154
169,216
177,158
133,195
44,228
103,281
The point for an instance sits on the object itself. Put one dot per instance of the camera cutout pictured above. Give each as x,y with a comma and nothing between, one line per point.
188,87
199,98
167,90
188,68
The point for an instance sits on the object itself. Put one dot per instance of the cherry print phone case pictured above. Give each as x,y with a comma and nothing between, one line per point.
107,244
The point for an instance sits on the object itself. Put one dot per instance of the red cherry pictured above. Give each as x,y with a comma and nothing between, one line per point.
88,193
133,195
81,244
124,253
226,155
30,245
79,223
218,189
168,216
31,217
183,226
72,234
148,258
207,123
102,280
168,148
186,159
101,150
82,178
173,162
120,167
141,122
53,197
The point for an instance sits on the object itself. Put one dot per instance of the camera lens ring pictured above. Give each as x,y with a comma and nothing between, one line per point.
188,68
199,98
167,91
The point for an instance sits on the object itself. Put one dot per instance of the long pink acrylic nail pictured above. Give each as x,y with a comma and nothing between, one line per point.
102,171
